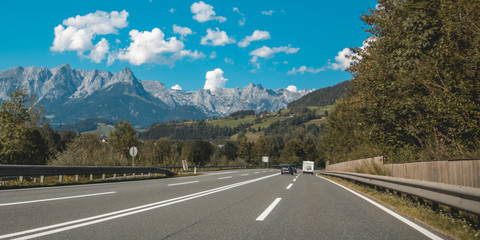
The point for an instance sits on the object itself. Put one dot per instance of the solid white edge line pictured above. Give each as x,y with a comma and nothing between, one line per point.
183,183
289,186
122,213
225,177
268,210
394,214
55,199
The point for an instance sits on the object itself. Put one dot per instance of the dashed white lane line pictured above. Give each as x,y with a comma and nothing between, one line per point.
246,174
225,177
289,186
183,183
294,179
55,199
395,215
268,210
256,172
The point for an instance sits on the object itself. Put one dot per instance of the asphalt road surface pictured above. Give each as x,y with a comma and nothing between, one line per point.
237,204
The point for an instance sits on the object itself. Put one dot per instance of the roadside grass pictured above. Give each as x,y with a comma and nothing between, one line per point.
82,179
460,225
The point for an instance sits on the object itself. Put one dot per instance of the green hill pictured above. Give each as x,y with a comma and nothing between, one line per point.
322,97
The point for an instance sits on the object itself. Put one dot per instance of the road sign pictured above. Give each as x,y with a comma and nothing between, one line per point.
133,151
265,159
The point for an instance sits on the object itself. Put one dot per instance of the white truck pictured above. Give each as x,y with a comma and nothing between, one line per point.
308,167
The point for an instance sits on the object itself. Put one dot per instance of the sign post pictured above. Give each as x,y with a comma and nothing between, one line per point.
133,153
265,160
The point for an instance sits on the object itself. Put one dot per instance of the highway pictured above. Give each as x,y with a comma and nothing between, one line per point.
236,204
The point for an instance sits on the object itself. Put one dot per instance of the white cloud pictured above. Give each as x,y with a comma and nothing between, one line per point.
212,55
147,47
100,51
292,88
172,10
177,87
229,60
216,38
342,60
266,52
304,69
81,30
257,35
188,53
242,21
204,12
183,31
215,79
268,13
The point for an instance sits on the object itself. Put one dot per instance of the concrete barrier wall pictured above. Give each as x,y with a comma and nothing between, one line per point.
456,172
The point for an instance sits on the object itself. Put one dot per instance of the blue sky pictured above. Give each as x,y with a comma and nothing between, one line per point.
275,43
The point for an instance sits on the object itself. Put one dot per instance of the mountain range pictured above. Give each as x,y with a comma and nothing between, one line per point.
72,95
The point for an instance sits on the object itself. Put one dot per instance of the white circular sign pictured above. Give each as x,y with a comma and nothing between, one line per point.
133,151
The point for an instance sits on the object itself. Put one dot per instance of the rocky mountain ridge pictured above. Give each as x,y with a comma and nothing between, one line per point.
70,95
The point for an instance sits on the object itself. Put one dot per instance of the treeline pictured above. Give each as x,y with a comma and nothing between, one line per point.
190,131
416,85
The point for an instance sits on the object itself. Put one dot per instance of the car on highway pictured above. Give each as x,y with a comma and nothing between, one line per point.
288,168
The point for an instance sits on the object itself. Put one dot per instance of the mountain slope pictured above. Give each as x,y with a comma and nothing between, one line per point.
323,96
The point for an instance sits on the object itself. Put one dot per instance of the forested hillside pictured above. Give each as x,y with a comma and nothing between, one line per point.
322,97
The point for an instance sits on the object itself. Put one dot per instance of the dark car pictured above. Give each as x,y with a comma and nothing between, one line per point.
288,168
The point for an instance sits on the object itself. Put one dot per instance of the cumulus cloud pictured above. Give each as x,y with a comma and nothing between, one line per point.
177,87
204,12
172,10
257,35
81,30
266,52
147,47
229,60
100,51
212,55
242,21
342,60
304,69
267,13
182,31
77,33
292,88
214,79
216,38
188,53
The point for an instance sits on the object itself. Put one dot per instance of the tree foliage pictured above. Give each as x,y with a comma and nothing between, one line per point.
415,88
22,140
123,137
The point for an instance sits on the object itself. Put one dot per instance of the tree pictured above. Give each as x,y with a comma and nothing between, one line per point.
21,138
123,137
415,88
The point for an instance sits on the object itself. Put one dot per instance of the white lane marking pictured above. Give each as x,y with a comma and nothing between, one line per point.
264,171
246,174
256,172
294,179
210,174
122,213
183,183
55,199
397,216
289,186
268,210
225,177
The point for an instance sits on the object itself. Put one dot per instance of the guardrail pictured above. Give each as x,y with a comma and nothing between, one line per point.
457,197
22,171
